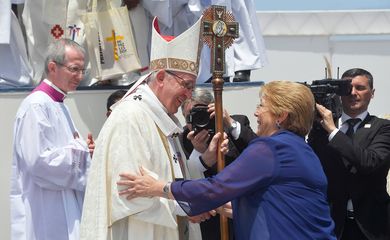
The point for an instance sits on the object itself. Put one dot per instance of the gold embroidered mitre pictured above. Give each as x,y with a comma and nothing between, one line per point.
177,54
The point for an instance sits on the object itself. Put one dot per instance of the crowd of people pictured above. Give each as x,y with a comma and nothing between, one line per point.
28,30
148,177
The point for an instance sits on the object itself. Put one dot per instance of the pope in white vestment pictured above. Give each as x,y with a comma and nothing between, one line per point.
143,131
133,137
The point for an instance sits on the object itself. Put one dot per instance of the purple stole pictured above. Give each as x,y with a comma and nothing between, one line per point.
49,90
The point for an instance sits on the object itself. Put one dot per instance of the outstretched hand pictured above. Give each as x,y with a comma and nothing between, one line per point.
142,185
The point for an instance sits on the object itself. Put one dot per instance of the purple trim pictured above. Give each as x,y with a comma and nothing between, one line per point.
49,90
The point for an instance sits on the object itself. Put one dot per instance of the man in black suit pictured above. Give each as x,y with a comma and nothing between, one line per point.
356,159
239,133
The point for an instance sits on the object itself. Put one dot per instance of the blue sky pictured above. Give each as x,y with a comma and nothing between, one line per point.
285,5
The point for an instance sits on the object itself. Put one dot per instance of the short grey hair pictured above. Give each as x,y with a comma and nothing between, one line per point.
152,76
202,96
56,51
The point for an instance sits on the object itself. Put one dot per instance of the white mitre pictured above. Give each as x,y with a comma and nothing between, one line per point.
180,54
177,54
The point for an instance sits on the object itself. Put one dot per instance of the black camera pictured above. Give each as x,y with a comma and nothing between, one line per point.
199,118
327,92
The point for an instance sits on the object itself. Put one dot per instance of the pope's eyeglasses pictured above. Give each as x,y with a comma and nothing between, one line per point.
187,84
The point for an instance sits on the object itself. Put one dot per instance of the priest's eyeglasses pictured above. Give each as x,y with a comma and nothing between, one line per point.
73,69
187,84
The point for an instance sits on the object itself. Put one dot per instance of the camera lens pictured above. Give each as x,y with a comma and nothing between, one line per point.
201,119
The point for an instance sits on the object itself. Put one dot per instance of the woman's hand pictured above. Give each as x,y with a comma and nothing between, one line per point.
140,185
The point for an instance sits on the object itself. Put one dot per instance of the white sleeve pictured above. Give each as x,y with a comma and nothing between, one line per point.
195,167
179,211
332,134
236,131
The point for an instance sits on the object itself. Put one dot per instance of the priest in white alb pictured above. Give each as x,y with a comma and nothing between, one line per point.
50,159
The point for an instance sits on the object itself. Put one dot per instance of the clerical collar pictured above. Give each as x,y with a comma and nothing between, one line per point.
145,87
52,90
361,116
168,123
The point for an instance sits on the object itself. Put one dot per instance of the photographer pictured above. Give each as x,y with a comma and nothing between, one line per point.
199,114
356,158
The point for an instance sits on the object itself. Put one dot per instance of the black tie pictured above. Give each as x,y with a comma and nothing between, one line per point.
351,124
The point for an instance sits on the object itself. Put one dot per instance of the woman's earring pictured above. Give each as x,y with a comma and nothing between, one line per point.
278,124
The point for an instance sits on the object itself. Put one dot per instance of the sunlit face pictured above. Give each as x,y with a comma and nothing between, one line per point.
360,97
177,88
266,121
68,76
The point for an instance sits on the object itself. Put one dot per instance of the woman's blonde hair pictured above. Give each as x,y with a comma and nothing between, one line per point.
292,98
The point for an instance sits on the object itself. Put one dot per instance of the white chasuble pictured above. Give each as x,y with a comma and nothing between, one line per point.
131,137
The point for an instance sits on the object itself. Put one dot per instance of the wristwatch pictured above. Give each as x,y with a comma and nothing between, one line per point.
167,189
233,125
